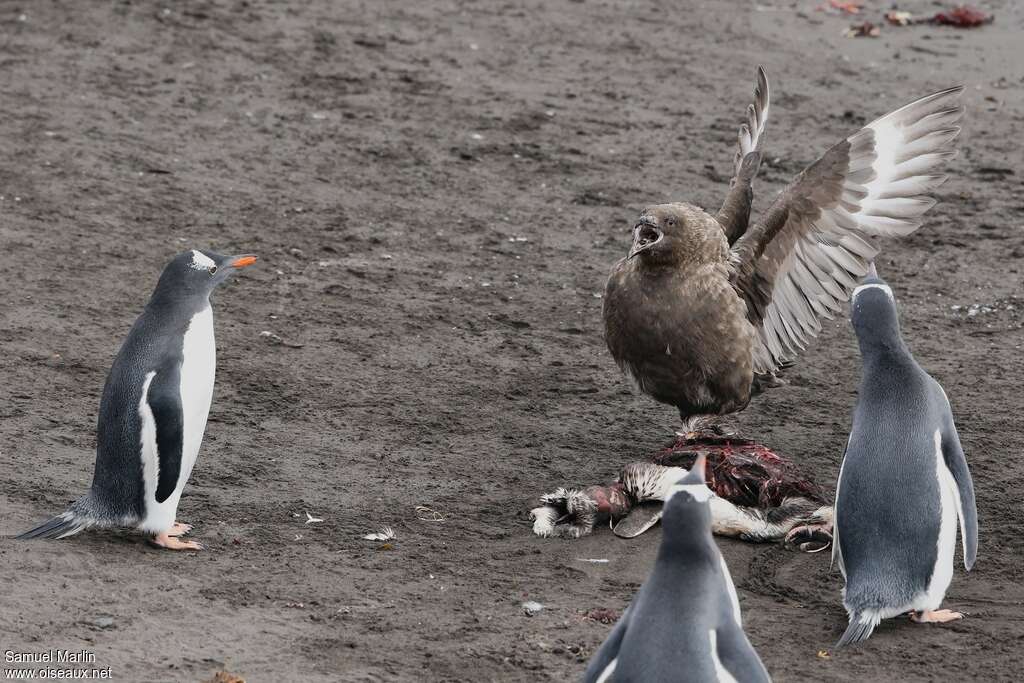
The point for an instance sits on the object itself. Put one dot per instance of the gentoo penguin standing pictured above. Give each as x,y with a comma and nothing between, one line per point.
903,483
154,408
684,623
704,309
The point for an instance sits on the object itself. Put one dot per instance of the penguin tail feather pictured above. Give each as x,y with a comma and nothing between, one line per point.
859,630
63,525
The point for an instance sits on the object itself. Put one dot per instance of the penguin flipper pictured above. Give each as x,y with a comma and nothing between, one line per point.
164,401
603,664
956,462
641,518
738,657
837,553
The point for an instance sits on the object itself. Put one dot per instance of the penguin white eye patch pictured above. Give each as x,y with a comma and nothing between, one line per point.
201,261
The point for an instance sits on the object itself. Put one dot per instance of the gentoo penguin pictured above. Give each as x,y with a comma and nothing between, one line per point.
684,623
903,483
154,407
704,309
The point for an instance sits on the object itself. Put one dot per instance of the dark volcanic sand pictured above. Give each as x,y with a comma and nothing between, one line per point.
436,191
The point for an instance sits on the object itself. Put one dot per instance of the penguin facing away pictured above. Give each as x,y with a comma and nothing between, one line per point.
903,484
684,623
154,408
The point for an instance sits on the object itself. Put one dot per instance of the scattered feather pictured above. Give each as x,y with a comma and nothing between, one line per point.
428,514
898,18
531,608
385,534
276,339
602,615
864,30
845,7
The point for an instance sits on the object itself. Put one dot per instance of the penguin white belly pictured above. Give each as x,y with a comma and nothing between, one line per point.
730,588
198,368
949,500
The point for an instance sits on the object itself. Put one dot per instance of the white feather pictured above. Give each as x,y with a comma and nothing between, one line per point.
385,534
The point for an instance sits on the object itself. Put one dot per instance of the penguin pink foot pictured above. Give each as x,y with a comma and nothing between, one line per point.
172,542
939,616
179,529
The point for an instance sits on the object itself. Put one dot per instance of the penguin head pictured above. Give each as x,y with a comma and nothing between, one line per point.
195,274
873,312
686,507
675,233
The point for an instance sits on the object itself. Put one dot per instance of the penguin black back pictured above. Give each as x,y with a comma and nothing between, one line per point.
684,623
155,343
145,379
874,316
903,480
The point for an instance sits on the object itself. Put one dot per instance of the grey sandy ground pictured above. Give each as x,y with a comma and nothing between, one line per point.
466,371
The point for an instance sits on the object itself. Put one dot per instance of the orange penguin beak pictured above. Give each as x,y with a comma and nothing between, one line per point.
243,261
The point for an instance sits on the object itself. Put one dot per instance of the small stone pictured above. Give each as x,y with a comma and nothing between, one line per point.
104,622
